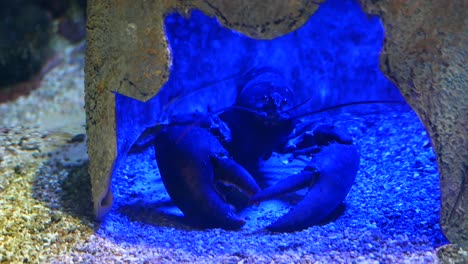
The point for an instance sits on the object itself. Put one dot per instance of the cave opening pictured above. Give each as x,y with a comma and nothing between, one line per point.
332,59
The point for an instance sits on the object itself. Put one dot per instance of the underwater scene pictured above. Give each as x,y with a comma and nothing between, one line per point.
290,150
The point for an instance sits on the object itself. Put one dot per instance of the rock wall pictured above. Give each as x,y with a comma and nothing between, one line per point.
424,54
127,53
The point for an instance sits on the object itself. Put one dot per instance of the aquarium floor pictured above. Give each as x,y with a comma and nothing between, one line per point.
391,212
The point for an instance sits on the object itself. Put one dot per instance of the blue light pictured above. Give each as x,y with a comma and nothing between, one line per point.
332,59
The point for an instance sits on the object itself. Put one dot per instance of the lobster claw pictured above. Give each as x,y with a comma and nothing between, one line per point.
192,162
330,175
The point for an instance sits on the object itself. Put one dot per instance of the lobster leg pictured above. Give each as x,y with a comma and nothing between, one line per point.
337,165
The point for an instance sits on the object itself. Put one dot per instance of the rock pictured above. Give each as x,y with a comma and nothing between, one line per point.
425,55
132,56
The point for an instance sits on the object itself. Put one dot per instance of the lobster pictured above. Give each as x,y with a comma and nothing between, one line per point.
201,157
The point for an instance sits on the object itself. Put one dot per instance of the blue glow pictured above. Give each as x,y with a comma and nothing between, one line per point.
332,59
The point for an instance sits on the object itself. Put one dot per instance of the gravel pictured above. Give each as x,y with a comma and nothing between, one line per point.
391,214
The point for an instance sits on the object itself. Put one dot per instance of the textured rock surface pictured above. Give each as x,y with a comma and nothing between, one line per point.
127,53
425,55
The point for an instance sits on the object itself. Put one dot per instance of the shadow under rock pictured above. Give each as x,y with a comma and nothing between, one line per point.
76,198
65,188
157,214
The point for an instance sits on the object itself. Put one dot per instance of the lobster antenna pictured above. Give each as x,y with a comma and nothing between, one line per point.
325,109
246,109
199,89
297,106
313,112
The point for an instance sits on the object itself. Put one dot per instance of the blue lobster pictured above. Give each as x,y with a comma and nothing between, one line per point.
200,156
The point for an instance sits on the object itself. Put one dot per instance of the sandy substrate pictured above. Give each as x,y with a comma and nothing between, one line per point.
391,212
